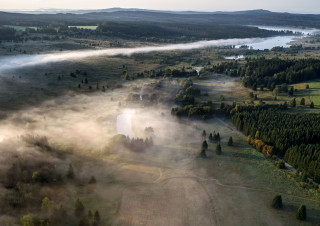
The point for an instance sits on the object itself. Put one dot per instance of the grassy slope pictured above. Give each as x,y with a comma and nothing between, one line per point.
247,178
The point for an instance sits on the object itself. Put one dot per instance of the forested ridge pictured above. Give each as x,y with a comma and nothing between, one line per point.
295,137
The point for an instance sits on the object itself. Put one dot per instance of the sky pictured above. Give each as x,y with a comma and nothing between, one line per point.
297,6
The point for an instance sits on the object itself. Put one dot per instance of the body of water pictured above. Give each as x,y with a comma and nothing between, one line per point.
19,61
234,57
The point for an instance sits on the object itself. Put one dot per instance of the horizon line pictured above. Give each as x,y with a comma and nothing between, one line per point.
144,9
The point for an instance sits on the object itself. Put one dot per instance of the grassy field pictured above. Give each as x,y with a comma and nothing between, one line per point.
227,89
313,93
86,27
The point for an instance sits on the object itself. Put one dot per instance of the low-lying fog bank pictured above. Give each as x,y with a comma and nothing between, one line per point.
14,62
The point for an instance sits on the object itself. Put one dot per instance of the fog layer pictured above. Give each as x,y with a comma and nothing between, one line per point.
14,62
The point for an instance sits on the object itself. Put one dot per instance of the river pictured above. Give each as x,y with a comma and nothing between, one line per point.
19,61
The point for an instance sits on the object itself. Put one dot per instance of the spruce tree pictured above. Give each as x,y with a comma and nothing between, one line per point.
210,138
293,103
70,173
230,142
302,213
78,208
96,216
218,149
204,134
312,105
302,102
277,202
204,145
92,180
290,93
84,221
218,137
303,177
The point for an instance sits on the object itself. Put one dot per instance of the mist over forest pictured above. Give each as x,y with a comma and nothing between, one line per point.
149,117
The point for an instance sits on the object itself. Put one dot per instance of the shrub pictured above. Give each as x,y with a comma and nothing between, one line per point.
277,202
302,213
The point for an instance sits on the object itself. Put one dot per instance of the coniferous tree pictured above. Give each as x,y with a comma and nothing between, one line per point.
230,142
96,216
70,173
218,137
210,138
204,145
302,102
218,149
84,221
92,180
290,93
302,213
78,208
312,105
254,87
293,103
277,202
204,134
304,177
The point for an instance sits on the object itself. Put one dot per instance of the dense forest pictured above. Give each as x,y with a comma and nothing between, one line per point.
177,32
272,72
143,31
292,136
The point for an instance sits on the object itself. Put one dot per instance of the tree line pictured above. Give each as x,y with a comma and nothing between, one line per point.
292,136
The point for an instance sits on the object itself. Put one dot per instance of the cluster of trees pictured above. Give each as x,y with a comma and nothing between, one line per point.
134,144
27,176
269,73
203,111
232,68
8,34
301,213
187,94
215,138
292,136
52,214
177,73
204,149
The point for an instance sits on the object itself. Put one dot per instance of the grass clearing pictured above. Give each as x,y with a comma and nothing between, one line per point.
85,27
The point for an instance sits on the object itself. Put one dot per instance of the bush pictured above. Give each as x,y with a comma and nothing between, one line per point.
277,202
281,164
302,213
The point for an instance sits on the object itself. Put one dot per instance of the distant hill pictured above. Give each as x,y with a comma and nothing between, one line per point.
93,17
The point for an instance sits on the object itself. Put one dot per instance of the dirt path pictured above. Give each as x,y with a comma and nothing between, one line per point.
231,127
